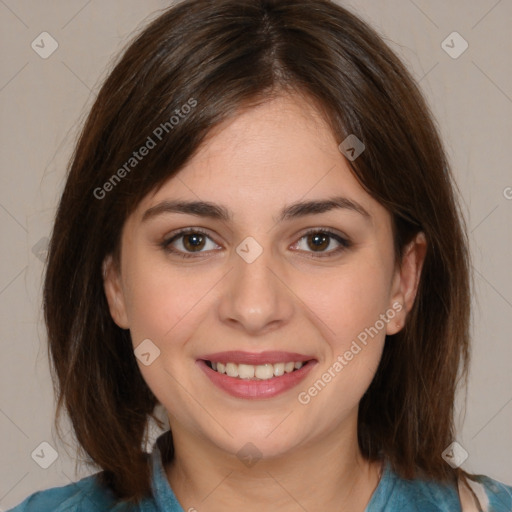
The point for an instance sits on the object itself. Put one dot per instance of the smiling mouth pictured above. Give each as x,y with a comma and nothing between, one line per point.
256,372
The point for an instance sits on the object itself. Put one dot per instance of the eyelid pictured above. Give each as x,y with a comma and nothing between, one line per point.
185,231
171,237
326,230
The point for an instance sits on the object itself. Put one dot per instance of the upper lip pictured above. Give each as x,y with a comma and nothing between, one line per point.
255,358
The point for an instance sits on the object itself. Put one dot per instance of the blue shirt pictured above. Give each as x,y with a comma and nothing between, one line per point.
393,494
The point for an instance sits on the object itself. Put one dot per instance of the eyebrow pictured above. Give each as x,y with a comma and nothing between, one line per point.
219,212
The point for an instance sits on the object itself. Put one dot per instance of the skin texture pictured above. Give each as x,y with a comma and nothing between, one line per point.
292,297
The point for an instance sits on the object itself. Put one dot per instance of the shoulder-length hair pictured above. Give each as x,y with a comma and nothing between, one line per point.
219,57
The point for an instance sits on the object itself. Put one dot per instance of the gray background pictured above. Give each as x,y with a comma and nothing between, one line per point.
43,102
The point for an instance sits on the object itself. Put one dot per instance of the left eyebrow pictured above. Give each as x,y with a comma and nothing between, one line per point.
304,208
219,212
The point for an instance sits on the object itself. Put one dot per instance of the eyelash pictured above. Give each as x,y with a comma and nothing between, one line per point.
344,242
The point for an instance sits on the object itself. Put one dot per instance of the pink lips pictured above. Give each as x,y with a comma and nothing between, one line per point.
256,389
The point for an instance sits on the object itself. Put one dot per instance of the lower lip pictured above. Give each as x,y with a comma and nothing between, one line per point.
245,388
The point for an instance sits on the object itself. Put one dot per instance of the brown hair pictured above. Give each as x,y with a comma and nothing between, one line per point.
224,56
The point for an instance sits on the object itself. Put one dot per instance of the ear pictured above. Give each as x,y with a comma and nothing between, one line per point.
406,280
114,292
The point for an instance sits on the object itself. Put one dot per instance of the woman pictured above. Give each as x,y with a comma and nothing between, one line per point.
259,232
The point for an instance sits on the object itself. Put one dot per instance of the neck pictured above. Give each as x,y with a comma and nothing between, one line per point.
207,479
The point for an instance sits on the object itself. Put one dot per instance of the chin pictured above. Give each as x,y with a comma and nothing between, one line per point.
267,438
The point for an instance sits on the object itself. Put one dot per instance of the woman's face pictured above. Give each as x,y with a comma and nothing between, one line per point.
288,261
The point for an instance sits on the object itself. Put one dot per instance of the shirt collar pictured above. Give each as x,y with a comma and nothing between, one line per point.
163,494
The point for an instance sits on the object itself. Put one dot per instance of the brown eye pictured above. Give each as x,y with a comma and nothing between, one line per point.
187,242
318,241
193,242
322,242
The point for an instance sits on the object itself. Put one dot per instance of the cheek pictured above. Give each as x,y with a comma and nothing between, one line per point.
349,300
164,304
350,307
153,309
162,299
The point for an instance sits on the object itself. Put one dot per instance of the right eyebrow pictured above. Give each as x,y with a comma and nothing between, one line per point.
198,208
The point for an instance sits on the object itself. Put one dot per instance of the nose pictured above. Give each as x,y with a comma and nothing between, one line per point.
256,298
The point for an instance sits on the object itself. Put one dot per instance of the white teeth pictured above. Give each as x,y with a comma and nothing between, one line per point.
245,371
262,371
288,367
278,369
232,370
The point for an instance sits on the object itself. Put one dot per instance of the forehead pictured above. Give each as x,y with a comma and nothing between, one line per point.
278,153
